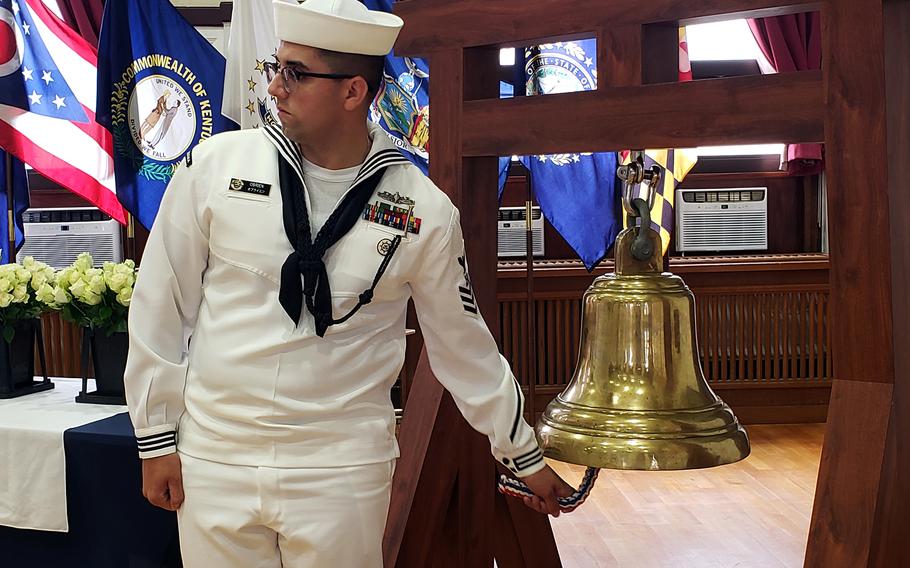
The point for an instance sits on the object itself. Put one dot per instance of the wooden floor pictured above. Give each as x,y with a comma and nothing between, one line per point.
753,514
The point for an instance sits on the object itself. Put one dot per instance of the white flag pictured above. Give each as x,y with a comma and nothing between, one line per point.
252,42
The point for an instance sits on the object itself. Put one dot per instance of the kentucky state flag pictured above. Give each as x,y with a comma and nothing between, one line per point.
577,193
402,106
160,87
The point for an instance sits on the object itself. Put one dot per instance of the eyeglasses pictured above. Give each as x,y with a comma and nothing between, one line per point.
290,76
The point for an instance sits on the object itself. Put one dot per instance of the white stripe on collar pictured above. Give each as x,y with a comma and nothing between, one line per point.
382,152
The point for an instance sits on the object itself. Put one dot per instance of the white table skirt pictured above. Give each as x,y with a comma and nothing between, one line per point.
32,460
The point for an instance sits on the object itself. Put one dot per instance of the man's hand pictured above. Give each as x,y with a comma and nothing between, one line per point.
162,481
547,487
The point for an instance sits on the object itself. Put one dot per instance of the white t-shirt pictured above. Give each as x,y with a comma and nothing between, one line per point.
325,188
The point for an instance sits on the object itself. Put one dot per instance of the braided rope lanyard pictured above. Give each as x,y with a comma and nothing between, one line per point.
515,488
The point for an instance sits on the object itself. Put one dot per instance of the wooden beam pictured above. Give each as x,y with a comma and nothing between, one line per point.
423,480
443,493
891,546
519,22
427,472
619,57
859,235
780,108
849,476
862,505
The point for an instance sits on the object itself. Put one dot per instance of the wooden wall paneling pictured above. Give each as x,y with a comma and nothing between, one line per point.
810,213
660,54
62,347
619,56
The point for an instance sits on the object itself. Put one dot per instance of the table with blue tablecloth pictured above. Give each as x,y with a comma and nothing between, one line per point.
106,521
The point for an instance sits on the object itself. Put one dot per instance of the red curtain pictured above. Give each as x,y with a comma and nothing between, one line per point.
84,16
793,43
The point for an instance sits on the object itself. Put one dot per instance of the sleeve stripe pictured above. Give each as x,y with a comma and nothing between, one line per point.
529,464
153,447
527,455
154,437
527,458
517,411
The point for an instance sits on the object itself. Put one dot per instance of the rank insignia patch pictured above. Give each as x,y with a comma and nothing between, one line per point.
389,215
253,187
466,291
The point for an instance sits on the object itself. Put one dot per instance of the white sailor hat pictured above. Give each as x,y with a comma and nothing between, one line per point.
346,26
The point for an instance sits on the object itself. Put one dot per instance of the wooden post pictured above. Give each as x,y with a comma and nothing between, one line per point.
862,501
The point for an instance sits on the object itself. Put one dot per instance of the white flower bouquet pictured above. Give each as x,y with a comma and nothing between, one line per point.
96,298
25,293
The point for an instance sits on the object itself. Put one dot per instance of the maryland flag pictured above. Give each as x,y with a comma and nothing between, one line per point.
675,164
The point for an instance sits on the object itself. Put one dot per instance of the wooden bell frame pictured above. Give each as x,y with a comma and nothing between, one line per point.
444,509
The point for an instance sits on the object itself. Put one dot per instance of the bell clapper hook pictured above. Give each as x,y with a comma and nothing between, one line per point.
635,174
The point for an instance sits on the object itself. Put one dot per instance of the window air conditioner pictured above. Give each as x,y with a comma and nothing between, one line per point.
57,236
511,232
734,219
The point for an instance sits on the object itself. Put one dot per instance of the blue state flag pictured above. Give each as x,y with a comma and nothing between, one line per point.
402,105
160,86
577,193
19,192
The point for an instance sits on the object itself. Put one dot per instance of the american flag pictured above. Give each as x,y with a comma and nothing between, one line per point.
47,103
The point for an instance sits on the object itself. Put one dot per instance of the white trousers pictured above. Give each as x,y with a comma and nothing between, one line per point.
260,517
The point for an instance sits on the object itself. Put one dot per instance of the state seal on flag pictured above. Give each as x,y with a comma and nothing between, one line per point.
159,110
398,105
563,67
162,118
11,43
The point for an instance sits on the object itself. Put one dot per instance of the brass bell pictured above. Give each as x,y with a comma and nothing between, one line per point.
638,399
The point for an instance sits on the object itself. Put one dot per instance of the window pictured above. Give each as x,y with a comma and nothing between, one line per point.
745,150
728,40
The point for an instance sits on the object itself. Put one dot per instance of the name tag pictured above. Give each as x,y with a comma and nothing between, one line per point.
246,186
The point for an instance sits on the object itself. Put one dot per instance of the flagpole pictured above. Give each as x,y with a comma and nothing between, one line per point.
130,251
11,227
531,307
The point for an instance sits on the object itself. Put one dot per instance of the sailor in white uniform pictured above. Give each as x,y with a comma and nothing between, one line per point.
268,322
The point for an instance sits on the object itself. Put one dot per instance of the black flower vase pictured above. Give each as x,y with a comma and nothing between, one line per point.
17,361
108,356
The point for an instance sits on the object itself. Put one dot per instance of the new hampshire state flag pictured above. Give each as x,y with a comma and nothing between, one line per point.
576,192
160,89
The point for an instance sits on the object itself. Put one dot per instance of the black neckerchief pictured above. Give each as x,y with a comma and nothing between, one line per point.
307,258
